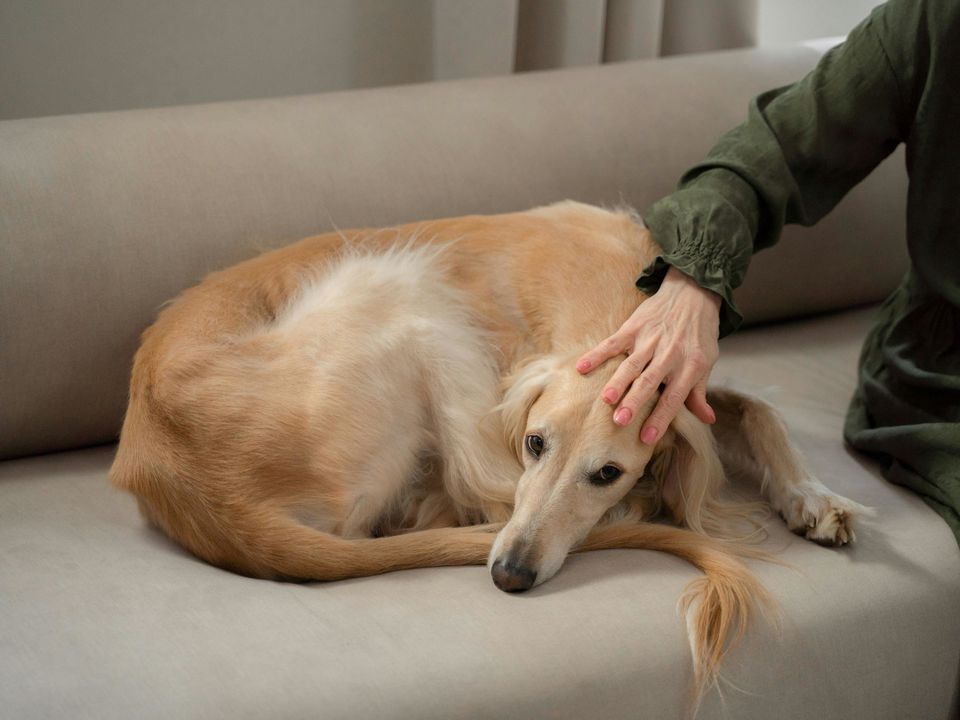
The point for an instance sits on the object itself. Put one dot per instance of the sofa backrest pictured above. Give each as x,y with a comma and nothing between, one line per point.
103,217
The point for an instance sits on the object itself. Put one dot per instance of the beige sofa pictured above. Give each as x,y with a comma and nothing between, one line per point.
103,217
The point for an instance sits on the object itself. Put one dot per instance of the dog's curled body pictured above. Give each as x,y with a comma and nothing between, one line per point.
346,382
357,403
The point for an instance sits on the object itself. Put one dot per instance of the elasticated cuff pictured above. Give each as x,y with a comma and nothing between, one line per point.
649,282
706,231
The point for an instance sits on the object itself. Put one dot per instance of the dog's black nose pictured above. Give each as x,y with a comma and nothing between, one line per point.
512,578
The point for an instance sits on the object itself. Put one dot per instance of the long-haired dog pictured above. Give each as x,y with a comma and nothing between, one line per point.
368,401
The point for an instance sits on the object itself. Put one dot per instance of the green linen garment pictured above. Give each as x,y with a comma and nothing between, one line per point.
895,79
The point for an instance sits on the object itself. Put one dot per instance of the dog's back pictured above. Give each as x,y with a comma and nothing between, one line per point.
316,379
333,406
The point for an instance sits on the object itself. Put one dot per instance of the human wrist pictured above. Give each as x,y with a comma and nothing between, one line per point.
679,281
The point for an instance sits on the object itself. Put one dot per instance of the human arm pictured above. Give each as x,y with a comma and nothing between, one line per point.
800,150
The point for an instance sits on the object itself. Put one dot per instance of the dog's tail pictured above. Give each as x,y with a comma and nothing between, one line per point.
717,607
287,549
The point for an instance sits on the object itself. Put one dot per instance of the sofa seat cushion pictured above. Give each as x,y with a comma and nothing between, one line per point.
104,618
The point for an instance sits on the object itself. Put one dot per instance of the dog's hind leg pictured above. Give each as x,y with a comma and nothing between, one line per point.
752,442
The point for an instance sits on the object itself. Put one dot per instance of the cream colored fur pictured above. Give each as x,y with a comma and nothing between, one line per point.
358,403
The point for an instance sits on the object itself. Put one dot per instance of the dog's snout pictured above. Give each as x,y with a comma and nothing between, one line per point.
512,578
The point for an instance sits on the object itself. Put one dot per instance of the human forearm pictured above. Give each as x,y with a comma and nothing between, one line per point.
800,150
706,231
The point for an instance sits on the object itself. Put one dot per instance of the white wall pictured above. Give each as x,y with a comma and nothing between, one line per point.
60,56
786,21
705,25
78,55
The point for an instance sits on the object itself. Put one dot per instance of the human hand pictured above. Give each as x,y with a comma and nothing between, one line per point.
670,338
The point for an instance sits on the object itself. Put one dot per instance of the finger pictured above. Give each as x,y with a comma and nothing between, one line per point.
611,347
698,405
640,392
627,374
671,400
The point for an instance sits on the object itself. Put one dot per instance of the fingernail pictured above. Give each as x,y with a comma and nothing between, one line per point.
583,365
649,436
713,416
610,395
622,416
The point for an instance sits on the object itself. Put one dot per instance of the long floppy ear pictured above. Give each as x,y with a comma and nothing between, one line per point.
688,469
521,389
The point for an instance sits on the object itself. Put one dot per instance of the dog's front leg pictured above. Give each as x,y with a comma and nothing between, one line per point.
752,441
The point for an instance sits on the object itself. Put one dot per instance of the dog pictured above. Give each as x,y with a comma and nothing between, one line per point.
367,401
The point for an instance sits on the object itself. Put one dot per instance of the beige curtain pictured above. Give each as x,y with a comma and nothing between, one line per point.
499,36
64,56
548,34
563,33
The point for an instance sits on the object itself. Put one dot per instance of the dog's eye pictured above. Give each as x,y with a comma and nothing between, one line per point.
606,475
534,445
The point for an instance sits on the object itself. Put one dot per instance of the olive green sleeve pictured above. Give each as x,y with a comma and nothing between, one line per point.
799,152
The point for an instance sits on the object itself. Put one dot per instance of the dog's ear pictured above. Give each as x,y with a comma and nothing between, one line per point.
521,389
688,469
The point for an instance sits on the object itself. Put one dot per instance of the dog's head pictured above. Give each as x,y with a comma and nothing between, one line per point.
578,464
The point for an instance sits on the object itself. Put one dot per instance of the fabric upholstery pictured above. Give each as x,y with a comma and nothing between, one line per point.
104,217
104,618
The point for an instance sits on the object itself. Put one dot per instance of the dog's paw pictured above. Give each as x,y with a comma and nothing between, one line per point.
821,516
